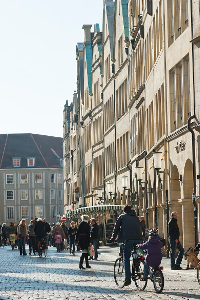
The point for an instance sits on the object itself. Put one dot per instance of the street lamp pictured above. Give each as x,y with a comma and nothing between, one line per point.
110,187
157,167
139,178
99,193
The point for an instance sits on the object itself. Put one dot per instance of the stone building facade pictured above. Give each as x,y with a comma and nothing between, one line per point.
31,177
138,112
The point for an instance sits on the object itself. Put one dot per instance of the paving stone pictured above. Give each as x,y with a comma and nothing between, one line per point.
58,277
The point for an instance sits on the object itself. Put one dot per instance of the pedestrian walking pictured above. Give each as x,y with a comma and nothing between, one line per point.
12,234
94,237
32,238
58,241
174,242
83,238
72,237
22,234
61,232
5,234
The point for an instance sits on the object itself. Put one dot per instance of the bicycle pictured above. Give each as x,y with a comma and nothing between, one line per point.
155,274
42,247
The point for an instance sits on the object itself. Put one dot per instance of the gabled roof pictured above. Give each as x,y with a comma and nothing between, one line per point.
110,11
88,53
125,18
47,150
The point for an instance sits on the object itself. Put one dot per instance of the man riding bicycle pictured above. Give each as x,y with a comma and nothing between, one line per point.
41,229
129,225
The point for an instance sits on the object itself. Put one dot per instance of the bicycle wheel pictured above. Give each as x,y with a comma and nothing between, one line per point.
137,274
198,275
119,274
158,281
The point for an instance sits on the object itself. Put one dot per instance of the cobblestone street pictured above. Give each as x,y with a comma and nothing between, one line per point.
58,277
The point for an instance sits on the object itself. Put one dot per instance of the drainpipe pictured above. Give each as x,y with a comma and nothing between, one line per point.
130,169
194,177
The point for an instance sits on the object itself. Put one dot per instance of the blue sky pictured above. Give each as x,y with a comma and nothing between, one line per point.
38,60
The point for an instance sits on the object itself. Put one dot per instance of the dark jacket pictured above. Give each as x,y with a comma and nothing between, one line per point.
173,229
154,255
94,232
72,232
130,226
40,229
83,235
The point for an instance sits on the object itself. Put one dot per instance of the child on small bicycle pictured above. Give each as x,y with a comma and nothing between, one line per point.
154,255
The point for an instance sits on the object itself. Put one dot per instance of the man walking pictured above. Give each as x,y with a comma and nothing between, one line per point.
94,237
129,224
174,242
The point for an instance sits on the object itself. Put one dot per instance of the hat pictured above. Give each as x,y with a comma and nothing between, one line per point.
57,232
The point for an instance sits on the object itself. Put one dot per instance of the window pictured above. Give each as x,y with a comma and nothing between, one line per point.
24,195
60,194
23,178
39,211
10,212
31,162
52,178
16,162
24,212
38,194
53,211
10,195
60,178
38,178
9,179
53,194
60,210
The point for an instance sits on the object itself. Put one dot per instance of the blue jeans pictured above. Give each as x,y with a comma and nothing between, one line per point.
95,245
22,245
72,245
175,245
146,270
128,247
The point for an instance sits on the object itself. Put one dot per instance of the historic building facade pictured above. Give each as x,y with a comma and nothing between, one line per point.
135,121
31,177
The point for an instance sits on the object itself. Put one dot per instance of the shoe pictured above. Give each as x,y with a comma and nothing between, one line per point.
81,267
177,267
24,254
88,267
126,283
94,258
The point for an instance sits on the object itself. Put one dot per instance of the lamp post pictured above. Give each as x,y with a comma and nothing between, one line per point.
99,192
139,178
157,167
110,188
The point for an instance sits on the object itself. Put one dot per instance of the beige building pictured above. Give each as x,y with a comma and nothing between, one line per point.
138,112
31,177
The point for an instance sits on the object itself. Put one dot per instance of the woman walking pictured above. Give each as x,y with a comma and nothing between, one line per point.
83,237
12,234
22,234
32,238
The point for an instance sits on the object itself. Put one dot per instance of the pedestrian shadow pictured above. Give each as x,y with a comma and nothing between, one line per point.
186,295
13,286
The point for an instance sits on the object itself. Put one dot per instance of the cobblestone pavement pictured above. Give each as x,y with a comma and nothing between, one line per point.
58,277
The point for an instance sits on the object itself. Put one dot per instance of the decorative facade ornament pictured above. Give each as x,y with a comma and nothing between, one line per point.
180,146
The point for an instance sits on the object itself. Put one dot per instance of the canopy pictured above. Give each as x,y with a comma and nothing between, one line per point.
95,209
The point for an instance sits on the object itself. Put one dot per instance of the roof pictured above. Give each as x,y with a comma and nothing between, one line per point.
47,150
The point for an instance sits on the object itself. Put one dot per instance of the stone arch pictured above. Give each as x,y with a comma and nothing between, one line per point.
188,180
175,196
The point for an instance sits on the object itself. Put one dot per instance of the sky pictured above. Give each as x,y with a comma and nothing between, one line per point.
38,41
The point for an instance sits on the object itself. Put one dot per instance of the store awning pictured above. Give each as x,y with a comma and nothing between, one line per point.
95,209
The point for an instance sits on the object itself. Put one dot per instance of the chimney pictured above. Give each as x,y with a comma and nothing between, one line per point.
87,35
